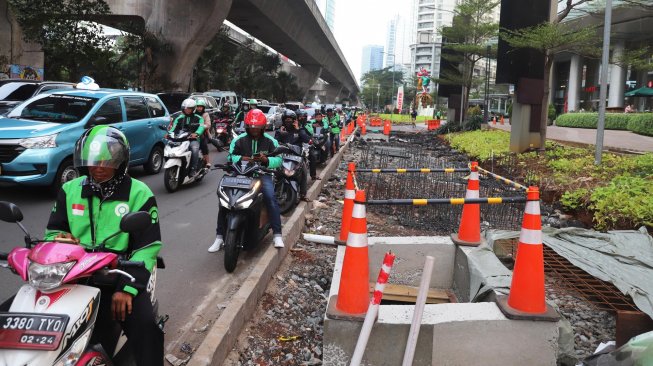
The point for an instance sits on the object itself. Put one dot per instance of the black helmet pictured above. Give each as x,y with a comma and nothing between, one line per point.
329,110
289,114
301,113
226,105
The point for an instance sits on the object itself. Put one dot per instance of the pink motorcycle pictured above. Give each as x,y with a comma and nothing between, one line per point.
51,320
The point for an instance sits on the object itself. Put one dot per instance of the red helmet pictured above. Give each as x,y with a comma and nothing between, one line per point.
255,119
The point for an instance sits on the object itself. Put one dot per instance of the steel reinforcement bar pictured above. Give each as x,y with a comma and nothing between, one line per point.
447,201
503,180
415,170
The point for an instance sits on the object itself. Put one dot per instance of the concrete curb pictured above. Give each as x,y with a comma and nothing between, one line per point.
223,334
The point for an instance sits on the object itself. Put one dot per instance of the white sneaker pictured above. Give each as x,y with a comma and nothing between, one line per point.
278,241
217,244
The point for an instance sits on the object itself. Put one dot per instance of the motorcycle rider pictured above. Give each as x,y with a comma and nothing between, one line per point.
317,122
255,145
225,114
106,193
190,122
334,124
200,110
246,107
292,133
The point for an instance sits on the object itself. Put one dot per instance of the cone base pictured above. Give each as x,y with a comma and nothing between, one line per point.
456,240
551,315
333,312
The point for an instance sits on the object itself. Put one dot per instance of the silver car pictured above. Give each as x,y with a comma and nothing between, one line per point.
273,115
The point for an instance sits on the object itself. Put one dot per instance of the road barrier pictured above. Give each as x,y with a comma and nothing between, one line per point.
414,170
447,201
432,124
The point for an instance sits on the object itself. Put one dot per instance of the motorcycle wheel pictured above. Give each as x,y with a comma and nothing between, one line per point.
170,180
286,196
231,249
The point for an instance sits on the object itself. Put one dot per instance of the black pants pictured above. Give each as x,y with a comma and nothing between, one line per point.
145,336
312,164
204,145
303,180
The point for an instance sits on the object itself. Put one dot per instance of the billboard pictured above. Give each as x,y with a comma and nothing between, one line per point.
25,72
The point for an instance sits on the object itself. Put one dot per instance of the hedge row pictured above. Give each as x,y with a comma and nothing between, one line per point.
641,123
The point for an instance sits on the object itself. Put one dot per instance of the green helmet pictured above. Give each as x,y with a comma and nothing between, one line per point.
102,146
200,102
253,101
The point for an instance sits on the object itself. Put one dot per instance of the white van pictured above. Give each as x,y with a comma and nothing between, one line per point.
222,96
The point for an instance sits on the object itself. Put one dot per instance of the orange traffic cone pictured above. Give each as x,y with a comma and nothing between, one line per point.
526,298
501,120
353,293
348,203
363,129
494,121
469,232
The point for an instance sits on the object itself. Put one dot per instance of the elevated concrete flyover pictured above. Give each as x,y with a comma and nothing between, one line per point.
294,28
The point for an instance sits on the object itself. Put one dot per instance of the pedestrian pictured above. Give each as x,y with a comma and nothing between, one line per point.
413,115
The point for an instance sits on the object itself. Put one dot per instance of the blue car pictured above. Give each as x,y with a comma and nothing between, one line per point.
38,137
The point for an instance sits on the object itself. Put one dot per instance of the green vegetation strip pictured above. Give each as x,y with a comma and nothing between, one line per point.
618,193
641,123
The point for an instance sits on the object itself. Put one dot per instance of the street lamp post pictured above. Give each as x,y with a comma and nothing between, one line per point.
392,90
486,113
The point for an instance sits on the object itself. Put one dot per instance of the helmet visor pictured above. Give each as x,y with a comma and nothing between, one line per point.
100,150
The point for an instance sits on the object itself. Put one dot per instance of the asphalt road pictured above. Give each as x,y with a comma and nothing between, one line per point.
188,228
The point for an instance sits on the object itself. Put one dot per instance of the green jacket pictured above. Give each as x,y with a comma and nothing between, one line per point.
75,204
193,123
311,130
244,145
334,123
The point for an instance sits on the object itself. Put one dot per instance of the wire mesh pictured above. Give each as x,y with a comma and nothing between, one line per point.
426,151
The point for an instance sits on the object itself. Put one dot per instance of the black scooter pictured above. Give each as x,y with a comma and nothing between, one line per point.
318,146
289,174
247,216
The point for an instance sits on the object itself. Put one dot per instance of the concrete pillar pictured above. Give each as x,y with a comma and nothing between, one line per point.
642,80
592,80
521,139
12,45
617,77
573,87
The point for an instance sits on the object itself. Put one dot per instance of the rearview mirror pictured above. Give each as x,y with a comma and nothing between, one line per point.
135,222
10,212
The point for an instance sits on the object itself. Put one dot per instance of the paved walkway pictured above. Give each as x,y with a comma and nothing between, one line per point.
622,140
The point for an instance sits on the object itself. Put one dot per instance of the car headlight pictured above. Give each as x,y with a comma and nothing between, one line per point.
71,357
46,277
42,142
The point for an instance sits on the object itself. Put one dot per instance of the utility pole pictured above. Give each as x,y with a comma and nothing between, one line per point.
607,24
486,112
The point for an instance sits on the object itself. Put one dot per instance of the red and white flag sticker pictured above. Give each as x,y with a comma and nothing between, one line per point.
78,210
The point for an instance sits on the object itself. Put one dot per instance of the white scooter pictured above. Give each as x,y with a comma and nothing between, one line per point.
51,320
177,162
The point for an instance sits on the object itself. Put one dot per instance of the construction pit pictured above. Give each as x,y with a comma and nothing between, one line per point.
454,331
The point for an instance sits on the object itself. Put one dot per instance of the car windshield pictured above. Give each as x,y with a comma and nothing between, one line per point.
17,91
55,108
264,108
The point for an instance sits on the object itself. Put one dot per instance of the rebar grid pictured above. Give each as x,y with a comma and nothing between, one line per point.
415,151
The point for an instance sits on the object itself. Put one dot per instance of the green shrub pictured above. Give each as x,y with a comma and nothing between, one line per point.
613,121
551,113
641,123
626,201
481,145
474,111
573,200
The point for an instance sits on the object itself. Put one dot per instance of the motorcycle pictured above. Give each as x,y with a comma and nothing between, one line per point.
177,157
51,320
221,136
247,216
287,183
318,146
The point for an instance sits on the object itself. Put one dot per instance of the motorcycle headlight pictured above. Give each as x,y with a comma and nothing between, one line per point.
288,172
42,142
71,357
244,204
46,277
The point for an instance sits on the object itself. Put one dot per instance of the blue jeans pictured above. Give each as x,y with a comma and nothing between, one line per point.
194,155
274,213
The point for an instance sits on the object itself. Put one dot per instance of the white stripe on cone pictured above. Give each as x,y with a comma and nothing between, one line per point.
471,193
473,176
528,236
350,194
385,269
356,240
358,212
532,207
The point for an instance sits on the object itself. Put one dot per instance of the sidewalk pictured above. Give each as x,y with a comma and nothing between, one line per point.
621,140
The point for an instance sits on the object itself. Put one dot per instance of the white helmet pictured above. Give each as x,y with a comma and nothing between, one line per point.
188,103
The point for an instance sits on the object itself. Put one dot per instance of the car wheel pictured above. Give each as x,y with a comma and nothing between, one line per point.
155,161
65,173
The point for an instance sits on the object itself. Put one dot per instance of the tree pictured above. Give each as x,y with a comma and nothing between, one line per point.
70,42
467,38
551,38
380,81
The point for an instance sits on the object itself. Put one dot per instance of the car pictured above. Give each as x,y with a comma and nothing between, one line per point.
172,100
273,115
222,96
15,91
37,138
294,106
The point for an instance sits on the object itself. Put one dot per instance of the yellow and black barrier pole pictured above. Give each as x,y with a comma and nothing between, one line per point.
415,170
447,201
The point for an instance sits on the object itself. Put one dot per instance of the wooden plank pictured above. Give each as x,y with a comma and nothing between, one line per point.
408,294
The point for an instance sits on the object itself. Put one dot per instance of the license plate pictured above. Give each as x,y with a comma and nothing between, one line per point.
237,182
292,157
32,331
